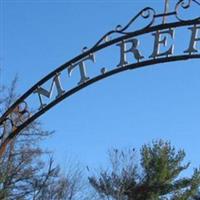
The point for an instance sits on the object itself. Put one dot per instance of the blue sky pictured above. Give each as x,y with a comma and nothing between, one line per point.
126,110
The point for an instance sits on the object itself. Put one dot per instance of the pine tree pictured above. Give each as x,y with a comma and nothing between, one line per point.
156,178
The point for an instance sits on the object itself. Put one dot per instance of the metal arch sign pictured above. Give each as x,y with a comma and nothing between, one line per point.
128,44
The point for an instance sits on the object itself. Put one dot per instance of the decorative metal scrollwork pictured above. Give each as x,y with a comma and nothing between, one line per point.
146,13
186,5
150,13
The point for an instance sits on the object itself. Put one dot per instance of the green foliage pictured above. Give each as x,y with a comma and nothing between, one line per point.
157,178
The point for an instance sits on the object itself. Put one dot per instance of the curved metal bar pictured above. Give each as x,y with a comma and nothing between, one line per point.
95,79
93,50
19,115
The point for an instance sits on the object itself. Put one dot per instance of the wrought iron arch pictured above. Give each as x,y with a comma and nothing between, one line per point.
18,116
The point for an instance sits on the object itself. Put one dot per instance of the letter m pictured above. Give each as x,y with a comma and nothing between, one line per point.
48,93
